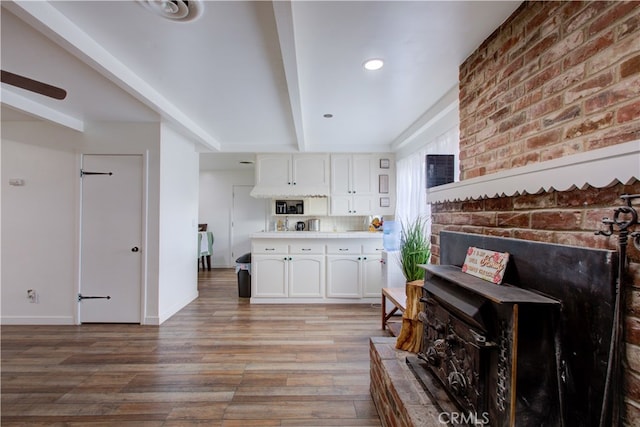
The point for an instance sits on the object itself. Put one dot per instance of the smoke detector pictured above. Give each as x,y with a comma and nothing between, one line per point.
174,10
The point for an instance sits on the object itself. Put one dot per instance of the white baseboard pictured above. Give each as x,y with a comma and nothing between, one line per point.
37,320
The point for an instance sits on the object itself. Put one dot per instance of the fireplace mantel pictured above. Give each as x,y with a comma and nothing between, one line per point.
597,168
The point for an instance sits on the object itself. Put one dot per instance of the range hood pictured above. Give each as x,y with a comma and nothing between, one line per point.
270,192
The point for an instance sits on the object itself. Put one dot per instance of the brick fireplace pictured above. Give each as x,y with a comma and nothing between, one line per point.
556,81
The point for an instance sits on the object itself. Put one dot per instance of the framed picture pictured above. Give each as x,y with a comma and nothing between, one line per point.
383,184
385,202
384,164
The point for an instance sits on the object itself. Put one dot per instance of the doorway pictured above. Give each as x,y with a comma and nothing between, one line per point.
248,216
111,252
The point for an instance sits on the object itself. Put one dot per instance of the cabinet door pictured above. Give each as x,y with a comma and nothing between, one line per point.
340,175
269,275
311,170
372,278
306,276
362,205
343,276
341,205
362,175
273,170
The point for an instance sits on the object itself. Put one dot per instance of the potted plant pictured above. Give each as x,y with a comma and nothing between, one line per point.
415,249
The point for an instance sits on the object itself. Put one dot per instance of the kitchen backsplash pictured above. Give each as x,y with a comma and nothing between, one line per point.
328,223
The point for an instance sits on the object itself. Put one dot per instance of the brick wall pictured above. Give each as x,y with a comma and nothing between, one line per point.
557,78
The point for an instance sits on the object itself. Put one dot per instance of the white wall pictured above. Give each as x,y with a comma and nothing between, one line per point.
178,279
40,239
38,234
215,208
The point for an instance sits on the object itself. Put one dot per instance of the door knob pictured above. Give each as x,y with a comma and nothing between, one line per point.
135,249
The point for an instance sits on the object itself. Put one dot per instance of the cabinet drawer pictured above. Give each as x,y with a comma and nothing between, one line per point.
269,248
306,248
343,248
373,247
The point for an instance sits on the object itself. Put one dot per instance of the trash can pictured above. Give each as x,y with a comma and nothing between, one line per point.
243,269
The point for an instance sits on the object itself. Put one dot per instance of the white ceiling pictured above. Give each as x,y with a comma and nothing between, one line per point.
246,77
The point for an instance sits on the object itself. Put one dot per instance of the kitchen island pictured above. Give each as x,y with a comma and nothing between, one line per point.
316,267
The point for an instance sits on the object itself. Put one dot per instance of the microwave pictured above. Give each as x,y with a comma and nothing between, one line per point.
289,207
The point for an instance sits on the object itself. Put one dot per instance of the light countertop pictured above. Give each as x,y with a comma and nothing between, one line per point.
317,235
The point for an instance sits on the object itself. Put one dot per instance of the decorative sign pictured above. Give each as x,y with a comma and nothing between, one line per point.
487,265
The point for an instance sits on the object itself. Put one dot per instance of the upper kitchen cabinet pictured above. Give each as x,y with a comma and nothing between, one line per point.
351,174
362,184
288,175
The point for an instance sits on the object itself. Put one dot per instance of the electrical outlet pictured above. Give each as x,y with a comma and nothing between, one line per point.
32,296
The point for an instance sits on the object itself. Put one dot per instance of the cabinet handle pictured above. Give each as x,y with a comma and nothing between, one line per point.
289,183
364,258
359,258
290,258
306,249
340,249
269,249
285,258
354,191
294,183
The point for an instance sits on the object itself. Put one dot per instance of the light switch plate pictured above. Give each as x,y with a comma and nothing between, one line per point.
16,182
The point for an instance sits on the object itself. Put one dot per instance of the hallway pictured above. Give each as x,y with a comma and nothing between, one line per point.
218,362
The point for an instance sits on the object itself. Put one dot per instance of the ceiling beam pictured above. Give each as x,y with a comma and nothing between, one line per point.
33,108
429,119
286,34
46,19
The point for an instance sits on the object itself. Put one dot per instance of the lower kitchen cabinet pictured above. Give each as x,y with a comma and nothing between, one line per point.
316,270
269,276
279,276
343,276
306,276
354,276
372,278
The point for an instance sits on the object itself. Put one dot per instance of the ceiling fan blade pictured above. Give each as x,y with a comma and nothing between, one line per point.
32,85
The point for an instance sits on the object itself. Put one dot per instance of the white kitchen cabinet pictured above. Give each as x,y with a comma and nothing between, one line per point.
310,170
306,276
351,174
351,205
344,276
360,185
269,276
372,278
330,267
354,271
344,269
306,269
283,269
291,175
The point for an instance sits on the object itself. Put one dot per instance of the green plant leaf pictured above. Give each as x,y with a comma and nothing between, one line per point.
415,248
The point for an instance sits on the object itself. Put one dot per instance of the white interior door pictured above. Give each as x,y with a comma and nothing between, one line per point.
248,216
111,239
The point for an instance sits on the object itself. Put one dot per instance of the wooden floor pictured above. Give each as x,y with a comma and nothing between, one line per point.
218,362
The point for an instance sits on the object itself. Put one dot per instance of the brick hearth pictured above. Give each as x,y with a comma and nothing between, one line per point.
400,399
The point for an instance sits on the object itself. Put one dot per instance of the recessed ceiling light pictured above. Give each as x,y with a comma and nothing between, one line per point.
327,116
373,64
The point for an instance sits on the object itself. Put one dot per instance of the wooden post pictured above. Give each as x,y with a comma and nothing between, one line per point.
410,337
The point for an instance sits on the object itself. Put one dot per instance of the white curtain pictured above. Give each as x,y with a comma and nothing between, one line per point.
411,191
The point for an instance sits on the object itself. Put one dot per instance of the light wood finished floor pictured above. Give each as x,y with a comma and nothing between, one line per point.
218,362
